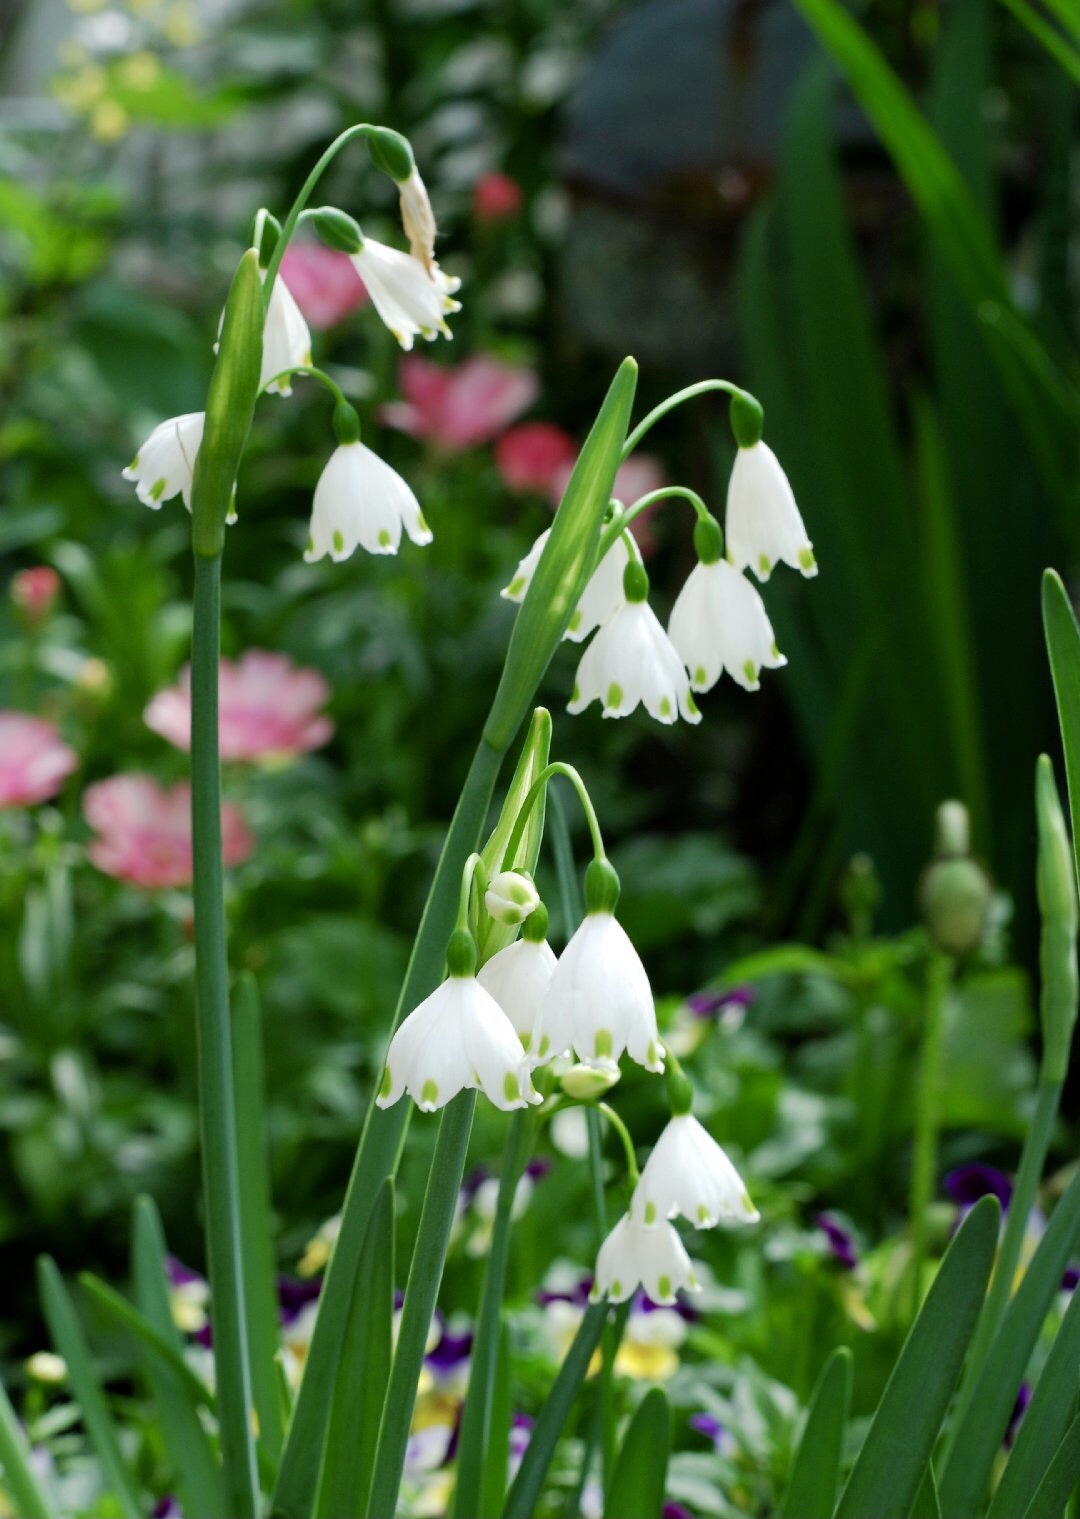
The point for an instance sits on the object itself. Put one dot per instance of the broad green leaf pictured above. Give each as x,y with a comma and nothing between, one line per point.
1044,1425
70,1342
16,1472
815,1475
892,1463
1063,647
363,1372
1052,1497
640,1476
526,1486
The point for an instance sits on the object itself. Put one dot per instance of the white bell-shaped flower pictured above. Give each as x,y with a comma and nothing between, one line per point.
360,500
518,977
719,623
689,1173
458,1037
413,301
632,660
764,527
417,218
286,339
511,897
521,579
165,463
634,1256
604,594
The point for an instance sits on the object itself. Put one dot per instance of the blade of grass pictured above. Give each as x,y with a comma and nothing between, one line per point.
640,1476
1063,648
1052,1498
495,1475
815,1473
118,1308
1061,51
892,1463
70,1343
1044,1425
32,1497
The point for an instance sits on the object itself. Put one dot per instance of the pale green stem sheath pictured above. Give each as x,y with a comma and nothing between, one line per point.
622,520
217,1113
557,767
700,389
927,1107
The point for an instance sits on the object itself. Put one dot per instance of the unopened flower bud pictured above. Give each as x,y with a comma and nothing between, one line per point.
337,229
391,152
44,1366
34,592
511,897
955,892
585,1083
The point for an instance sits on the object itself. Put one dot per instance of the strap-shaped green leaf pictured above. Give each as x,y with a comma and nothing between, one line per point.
640,1476
895,1454
363,1372
495,1475
815,1473
1063,647
1043,1426
149,1336
16,1473
1062,1475
70,1342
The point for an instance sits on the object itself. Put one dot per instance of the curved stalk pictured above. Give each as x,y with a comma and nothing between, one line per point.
700,389
622,520
557,767
361,129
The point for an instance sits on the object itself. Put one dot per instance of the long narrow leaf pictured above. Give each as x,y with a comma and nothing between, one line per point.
815,1474
1043,1426
1063,647
70,1342
495,1473
33,1499
1064,54
148,1336
1062,1475
640,1475
896,1452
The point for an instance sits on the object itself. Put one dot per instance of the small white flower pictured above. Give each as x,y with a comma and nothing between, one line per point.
511,897
763,523
413,301
458,1037
360,500
165,463
632,660
719,623
603,596
417,218
521,579
599,1000
518,977
286,339
652,1258
689,1173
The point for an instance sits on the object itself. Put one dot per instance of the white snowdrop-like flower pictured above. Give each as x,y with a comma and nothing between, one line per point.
719,623
413,301
511,897
521,579
601,598
518,977
764,527
286,339
165,463
634,1256
360,500
599,1001
458,1037
689,1173
417,218
632,660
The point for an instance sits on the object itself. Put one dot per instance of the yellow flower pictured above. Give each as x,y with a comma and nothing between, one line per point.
108,121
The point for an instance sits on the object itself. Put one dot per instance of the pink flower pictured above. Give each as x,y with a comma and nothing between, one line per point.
34,592
640,474
496,197
323,283
456,407
33,760
144,831
529,456
268,708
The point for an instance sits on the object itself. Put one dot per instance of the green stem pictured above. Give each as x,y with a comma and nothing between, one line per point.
557,767
700,389
360,130
315,374
924,1163
627,1143
217,1115
622,520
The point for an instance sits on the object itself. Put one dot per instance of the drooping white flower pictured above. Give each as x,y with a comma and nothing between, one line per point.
604,594
165,463
521,579
511,897
689,1173
652,1258
458,1037
413,301
599,1000
632,660
417,217
763,523
286,339
518,977
360,500
719,623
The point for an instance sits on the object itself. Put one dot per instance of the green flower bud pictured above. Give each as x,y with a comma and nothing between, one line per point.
511,898
391,153
955,892
747,419
1056,884
585,1083
337,229
601,887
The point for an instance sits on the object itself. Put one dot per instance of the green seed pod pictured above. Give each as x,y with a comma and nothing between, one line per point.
1055,879
230,404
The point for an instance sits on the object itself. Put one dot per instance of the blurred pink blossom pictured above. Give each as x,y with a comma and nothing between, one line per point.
496,197
144,831
34,760
34,592
640,474
269,708
529,456
323,283
460,405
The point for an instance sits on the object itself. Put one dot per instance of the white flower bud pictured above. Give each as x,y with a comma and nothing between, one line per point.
511,897
586,1082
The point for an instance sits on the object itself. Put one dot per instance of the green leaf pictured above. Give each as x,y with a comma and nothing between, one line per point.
260,1292
151,1338
815,1474
70,1342
1044,1425
1063,647
31,1497
1062,1475
525,1488
640,1475
982,1427
363,1372
892,1462
1064,54
927,1504
497,1456
196,1471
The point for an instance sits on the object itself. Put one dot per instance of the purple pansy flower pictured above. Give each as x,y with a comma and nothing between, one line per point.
841,1244
966,1184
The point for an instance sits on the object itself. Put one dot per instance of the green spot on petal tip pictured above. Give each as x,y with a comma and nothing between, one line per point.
511,1088
384,1089
430,1092
664,1285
